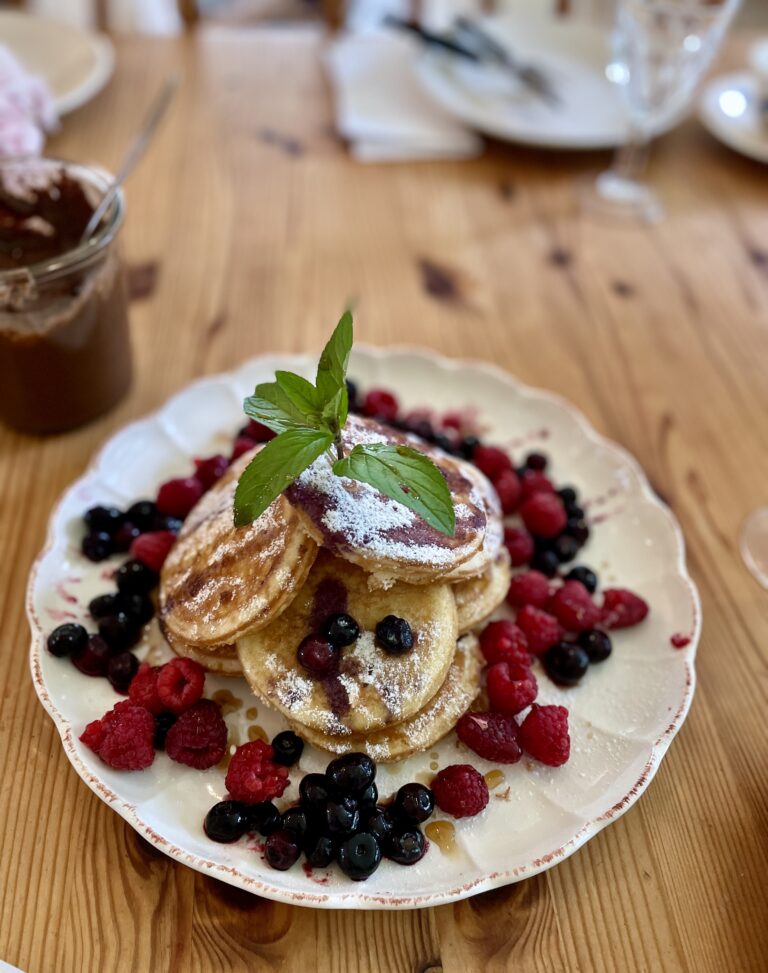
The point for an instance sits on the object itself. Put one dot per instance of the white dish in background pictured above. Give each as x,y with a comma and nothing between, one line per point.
729,110
75,63
574,55
623,716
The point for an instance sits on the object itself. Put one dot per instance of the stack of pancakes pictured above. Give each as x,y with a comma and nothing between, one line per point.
240,600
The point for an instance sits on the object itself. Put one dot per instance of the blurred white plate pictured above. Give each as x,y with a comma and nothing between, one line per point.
574,55
76,64
728,109
622,717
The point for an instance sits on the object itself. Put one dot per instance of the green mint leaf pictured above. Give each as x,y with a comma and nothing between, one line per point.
274,468
336,409
272,406
332,367
301,392
406,475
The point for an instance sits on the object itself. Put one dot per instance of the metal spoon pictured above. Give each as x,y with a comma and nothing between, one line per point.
153,118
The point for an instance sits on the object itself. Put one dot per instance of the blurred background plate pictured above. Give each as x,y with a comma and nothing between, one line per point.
574,55
729,110
75,63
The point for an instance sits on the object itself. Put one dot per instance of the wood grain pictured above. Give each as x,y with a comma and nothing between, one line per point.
248,227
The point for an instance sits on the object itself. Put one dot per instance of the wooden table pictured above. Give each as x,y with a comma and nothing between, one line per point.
249,227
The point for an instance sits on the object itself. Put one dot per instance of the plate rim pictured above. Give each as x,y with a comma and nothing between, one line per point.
358,899
712,121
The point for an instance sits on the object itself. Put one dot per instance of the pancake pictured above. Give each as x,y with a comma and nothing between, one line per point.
493,541
477,598
221,659
430,724
219,580
383,537
372,688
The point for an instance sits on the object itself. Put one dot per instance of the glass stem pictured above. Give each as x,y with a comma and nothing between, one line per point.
631,159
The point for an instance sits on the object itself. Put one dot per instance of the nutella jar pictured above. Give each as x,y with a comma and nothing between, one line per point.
65,354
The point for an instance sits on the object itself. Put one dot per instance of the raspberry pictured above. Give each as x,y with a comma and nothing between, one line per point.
210,471
453,420
491,735
152,548
507,486
529,588
544,514
180,684
544,735
540,628
460,791
503,641
258,432
520,545
199,737
381,404
177,497
491,460
243,444
123,737
143,688
622,608
573,607
534,481
510,688
253,776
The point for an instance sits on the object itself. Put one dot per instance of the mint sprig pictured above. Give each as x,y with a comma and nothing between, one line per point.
309,420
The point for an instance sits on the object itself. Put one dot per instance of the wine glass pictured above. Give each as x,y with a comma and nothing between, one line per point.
754,544
662,49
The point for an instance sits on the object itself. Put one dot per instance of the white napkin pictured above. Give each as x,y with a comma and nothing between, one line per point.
381,108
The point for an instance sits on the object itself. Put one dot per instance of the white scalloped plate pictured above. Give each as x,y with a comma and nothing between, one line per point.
623,715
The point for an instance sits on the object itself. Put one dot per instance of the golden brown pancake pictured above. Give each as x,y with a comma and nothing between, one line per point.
478,598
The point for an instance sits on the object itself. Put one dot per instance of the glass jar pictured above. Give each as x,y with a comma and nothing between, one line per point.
65,355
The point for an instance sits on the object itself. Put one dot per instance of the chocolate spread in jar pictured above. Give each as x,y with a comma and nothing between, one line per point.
64,349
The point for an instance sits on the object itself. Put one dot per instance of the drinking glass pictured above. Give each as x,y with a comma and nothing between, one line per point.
662,49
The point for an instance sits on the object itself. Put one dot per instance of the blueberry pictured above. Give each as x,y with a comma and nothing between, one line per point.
467,446
139,607
574,510
163,722
352,396
405,847
444,442
103,519
565,547
414,803
142,514
93,658
288,748
320,850
67,639
318,656
359,856
536,461
120,671
296,820
578,528
377,820
568,495
565,663
586,575
394,635
352,773
314,791
546,561
264,818
103,605
97,547
135,578
341,816
596,644
124,537
227,821
166,522
282,849
422,428
340,630
369,796
119,631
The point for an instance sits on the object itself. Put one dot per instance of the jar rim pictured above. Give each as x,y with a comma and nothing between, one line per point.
84,253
